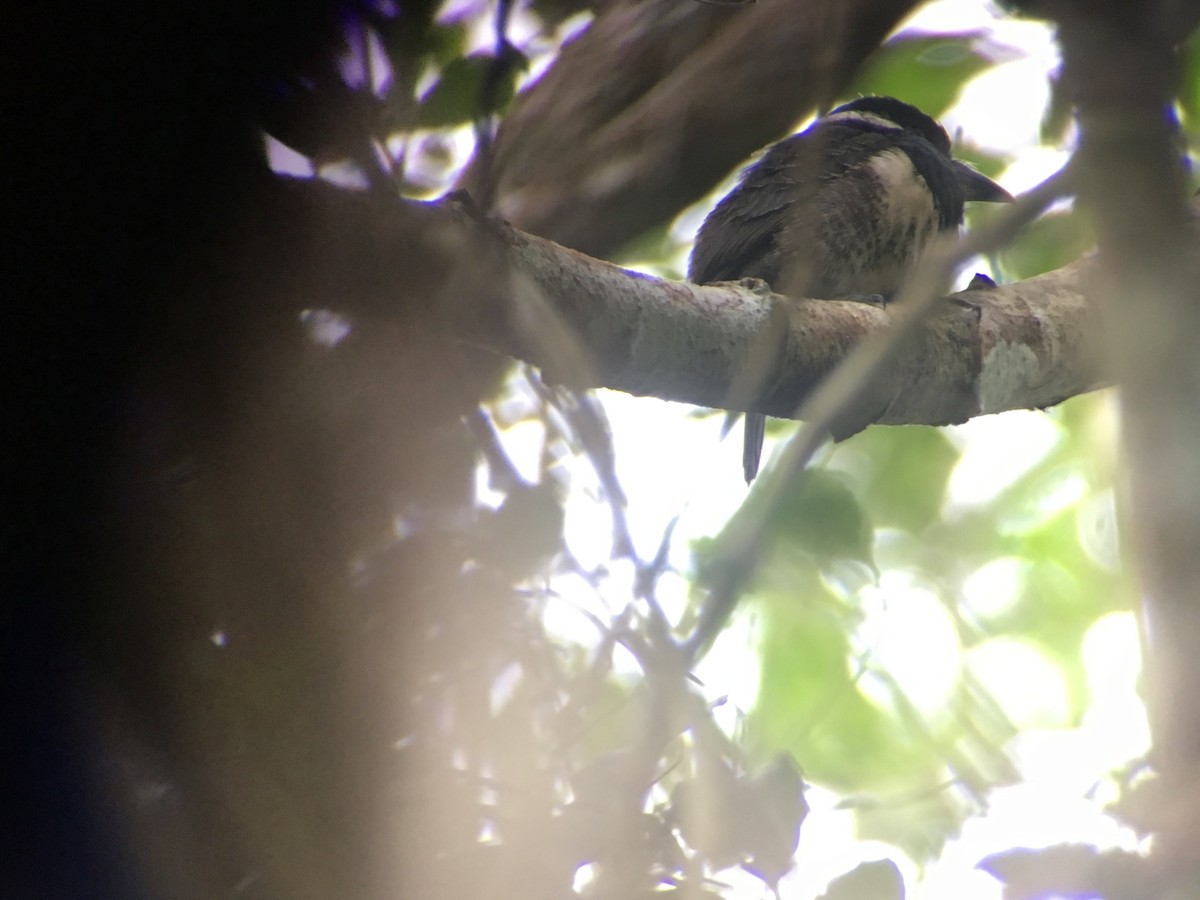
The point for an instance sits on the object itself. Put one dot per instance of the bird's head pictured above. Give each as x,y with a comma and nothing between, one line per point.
887,114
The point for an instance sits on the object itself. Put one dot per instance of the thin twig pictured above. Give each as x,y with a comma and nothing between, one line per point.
590,430
502,474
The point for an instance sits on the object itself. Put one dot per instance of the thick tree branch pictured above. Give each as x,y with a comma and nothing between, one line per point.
590,323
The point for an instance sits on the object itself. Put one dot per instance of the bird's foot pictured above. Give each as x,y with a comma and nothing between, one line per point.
757,285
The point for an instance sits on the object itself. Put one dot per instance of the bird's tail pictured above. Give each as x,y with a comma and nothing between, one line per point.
752,444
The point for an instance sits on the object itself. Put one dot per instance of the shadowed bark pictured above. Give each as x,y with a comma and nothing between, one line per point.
657,102
1121,69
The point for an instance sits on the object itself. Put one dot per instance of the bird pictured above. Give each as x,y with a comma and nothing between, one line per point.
843,209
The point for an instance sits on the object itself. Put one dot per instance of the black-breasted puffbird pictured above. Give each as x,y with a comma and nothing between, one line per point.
843,209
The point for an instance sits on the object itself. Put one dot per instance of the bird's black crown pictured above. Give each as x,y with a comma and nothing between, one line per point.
883,110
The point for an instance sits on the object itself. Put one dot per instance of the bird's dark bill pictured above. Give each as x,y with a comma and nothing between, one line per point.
976,186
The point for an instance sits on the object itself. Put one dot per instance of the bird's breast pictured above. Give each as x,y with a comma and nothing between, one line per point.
905,201
873,243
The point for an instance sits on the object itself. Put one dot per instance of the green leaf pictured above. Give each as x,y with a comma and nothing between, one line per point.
927,71
985,162
1189,88
525,532
817,519
808,700
1058,116
471,87
412,42
876,880
911,467
1049,243
1075,870
779,794
655,244
821,515
446,41
918,826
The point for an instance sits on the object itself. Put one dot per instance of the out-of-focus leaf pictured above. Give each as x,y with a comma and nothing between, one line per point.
1037,499
1050,242
553,12
809,702
731,818
1189,88
804,670
779,792
920,827
446,41
817,520
878,879
653,246
471,87
822,516
1142,802
1058,116
525,532
1071,870
927,71
712,812
323,118
989,164
412,36
911,467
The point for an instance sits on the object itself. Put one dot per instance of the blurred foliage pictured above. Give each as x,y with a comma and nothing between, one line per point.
546,723
1058,117
1189,94
908,477
813,696
1051,242
928,71
879,880
471,87
821,520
